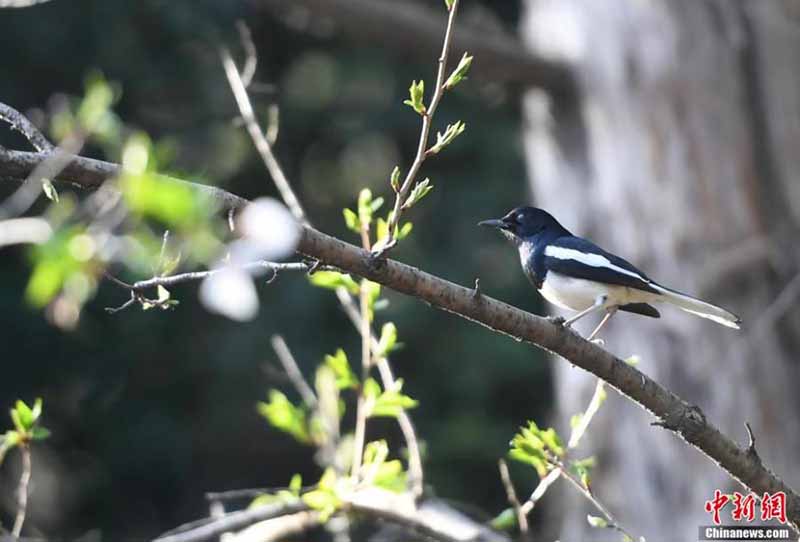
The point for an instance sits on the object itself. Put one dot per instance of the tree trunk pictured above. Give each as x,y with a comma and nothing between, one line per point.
680,154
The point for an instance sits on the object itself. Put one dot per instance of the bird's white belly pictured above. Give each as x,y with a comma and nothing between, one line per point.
579,294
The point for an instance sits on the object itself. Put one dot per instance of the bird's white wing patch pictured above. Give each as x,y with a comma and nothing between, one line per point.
592,260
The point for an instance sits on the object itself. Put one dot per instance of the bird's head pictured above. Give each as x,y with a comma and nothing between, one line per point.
524,223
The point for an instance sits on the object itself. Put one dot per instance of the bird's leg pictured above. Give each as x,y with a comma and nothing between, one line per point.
599,304
609,313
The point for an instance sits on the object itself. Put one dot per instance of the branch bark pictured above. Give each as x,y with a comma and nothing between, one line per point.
411,28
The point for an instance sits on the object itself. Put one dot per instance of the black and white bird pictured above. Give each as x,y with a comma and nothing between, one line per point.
575,274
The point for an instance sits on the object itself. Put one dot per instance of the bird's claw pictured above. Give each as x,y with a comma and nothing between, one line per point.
599,342
558,320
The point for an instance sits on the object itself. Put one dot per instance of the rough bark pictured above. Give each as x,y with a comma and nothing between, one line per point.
679,154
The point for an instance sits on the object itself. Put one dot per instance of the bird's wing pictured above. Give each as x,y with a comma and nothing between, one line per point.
579,258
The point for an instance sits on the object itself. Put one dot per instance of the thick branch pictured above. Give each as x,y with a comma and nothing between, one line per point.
411,28
90,173
673,412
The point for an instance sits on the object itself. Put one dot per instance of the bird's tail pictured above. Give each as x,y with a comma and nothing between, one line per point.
698,307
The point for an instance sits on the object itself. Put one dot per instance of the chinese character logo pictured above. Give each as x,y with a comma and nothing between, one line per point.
771,506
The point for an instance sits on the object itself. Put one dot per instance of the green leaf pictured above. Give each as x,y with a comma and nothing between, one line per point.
532,446
351,220
388,340
381,230
505,520
25,415
371,389
443,140
449,4
345,378
404,230
296,484
40,433
96,103
373,293
595,521
49,190
633,360
391,402
394,179
459,73
416,93
582,469
285,416
392,477
419,191
333,280
36,412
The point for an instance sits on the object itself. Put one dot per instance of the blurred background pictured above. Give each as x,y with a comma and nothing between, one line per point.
149,410
665,131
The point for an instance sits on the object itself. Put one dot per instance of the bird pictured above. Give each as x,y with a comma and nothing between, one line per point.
575,274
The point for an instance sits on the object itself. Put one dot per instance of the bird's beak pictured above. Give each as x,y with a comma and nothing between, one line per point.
494,223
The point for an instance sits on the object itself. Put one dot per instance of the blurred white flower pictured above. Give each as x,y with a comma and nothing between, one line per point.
268,230
230,292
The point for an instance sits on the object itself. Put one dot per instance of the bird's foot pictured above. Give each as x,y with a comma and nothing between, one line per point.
558,320
599,342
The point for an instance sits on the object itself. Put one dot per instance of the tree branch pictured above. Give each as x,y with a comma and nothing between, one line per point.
673,413
91,174
411,28
23,125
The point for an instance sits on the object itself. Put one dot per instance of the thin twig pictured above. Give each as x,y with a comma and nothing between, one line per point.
251,57
23,125
424,135
259,139
366,363
208,528
541,488
588,414
22,490
293,371
171,280
511,493
612,522
283,185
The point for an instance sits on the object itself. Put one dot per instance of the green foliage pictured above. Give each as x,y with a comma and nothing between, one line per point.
419,191
598,522
583,469
505,520
416,93
385,474
387,403
284,415
67,258
345,378
325,497
26,427
537,447
333,280
460,73
450,134
449,4
174,204
394,179
388,341
91,116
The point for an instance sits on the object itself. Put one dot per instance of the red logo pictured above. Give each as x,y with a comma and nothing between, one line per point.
744,506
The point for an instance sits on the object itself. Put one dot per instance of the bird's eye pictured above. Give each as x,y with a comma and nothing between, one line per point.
520,217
